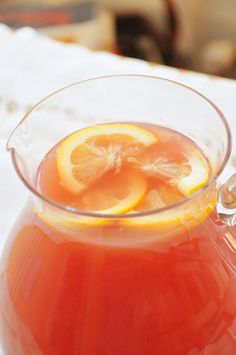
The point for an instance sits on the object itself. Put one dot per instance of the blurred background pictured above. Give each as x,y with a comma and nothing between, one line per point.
197,35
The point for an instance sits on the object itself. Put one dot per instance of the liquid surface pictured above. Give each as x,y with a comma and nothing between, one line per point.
162,165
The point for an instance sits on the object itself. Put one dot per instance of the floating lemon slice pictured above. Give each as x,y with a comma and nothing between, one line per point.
188,174
89,153
192,211
180,183
122,193
113,194
197,177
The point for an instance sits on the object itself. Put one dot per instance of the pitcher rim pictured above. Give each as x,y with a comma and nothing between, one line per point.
76,211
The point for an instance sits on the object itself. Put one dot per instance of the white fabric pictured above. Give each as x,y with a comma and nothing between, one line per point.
31,66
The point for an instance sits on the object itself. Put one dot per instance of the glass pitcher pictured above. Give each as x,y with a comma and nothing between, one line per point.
116,288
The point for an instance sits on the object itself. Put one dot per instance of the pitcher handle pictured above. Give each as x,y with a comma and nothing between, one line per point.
227,201
225,241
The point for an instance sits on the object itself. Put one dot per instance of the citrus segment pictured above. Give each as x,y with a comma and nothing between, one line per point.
152,200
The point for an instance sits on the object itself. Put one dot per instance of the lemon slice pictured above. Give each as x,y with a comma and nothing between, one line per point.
183,181
198,176
89,153
158,197
122,193
188,175
189,214
113,194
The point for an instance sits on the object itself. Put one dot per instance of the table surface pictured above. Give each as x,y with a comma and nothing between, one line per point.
31,66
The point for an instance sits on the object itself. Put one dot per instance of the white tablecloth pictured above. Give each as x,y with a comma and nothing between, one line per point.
31,66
